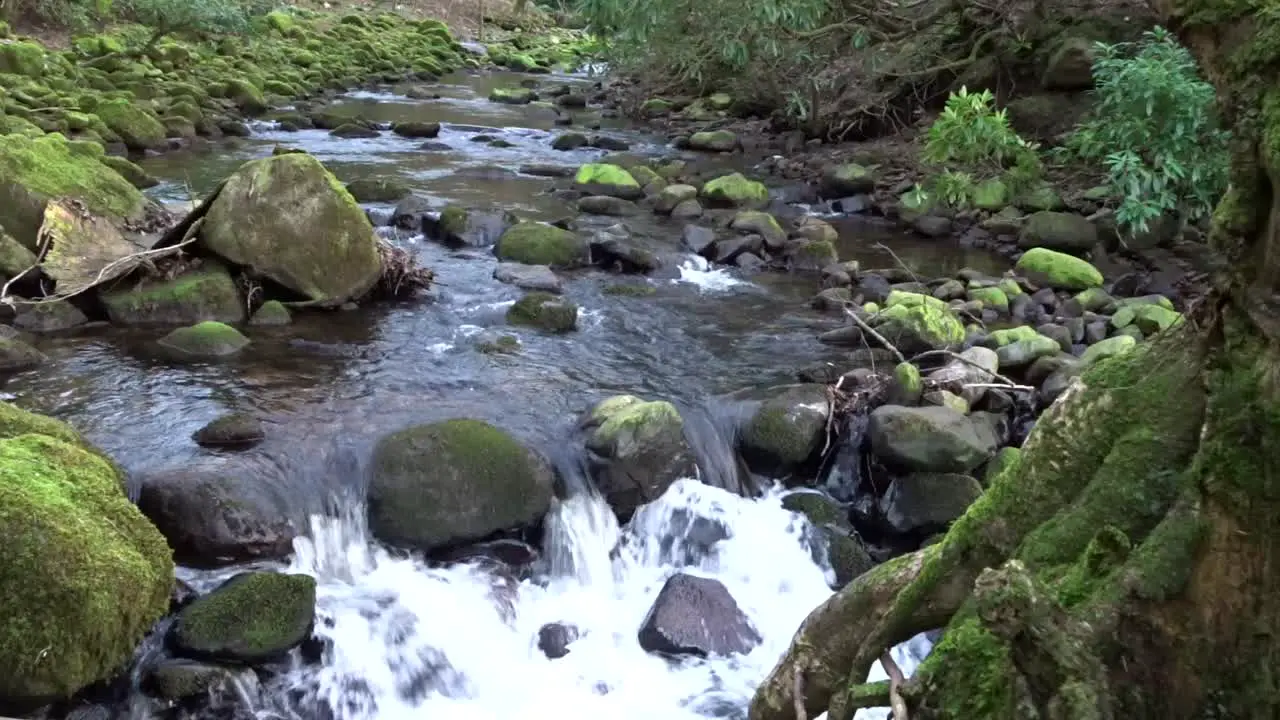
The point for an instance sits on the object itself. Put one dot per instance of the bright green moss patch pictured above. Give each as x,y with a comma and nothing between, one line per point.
207,339
540,244
252,618
84,574
970,671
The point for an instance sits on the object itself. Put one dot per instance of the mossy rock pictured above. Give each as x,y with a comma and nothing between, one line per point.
246,96
990,297
15,258
734,191
196,296
252,618
847,179
377,190
1149,318
209,339
991,195
452,482
714,141
1058,231
34,170
272,313
544,311
23,58
1110,347
846,554
1024,352
84,574
1058,270
289,219
786,430
607,179
540,244
817,507
919,328
930,439
907,386
638,450
136,176
138,129
759,223
512,96
812,256
1000,338
16,356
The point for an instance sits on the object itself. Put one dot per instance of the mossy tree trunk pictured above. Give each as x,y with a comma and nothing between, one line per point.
1128,565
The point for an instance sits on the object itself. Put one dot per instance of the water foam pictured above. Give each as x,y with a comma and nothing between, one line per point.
404,640
697,270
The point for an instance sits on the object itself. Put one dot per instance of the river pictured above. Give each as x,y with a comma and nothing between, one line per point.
403,640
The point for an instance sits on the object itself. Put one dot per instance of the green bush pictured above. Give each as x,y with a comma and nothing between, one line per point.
974,147
1155,130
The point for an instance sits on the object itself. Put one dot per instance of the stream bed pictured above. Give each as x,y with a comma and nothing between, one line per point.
402,639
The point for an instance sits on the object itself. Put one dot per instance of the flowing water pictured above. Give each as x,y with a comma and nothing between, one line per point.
405,640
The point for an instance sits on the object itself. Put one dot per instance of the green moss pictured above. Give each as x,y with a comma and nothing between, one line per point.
136,176
1110,347
500,345
991,297
604,175
540,244
84,574
910,299
918,326
631,417
734,190
208,294
205,339
628,290
1000,338
137,128
971,671
22,58
256,616
1059,270
34,170
544,310
907,384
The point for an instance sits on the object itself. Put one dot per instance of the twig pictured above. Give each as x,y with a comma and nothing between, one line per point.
1006,382
894,255
831,413
797,693
896,680
1000,386
879,338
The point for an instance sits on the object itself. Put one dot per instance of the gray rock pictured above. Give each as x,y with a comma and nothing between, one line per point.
636,449
178,679
606,205
48,317
230,430
687,210
696,616
978,366
554,639
698,239
529,277
930,439
213,519
786,430
16,355
926,503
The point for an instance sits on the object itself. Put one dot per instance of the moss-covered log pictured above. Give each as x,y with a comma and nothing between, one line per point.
1128,565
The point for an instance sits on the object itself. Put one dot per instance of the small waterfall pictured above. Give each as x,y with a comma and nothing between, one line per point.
711,428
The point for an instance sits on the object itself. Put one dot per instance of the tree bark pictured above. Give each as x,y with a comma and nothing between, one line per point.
1129,564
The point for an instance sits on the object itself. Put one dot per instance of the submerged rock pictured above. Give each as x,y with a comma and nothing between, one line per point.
272,313
288,219
787,430
451,482
212,519
16,356
205,294
231,430
83,575
377,190
178,679
252,618
638,449
529,277
544,311
930,439
696,616
209,339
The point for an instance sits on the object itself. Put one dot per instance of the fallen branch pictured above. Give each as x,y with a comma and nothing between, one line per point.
878,337
896,680
1005,382
1000,386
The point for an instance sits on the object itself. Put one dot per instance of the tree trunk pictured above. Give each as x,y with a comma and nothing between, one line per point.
1128,565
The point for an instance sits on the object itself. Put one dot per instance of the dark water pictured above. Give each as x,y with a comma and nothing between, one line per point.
331,384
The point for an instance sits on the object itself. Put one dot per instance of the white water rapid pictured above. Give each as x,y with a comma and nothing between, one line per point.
408,641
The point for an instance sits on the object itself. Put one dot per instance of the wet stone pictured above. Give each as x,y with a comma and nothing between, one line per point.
696,616
554,639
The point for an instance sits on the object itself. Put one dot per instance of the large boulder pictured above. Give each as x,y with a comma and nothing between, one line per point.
1058,231
252,618
452,482
290,220
787,430
534,243
205,294
638,449
1058,270
212,518
83,576
36,170
133,123
930,439
696,616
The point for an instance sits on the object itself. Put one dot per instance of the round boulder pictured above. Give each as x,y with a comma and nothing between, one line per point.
452,482
637,450
787,429
230,430
209,339
252,618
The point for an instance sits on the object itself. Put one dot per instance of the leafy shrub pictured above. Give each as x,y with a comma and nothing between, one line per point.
1155,130
973,143
166,17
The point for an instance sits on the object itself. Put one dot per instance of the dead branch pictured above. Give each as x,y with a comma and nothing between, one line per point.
1005,382
878,337
896,680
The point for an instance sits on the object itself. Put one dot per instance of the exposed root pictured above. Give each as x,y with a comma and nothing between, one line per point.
896,680
401,277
